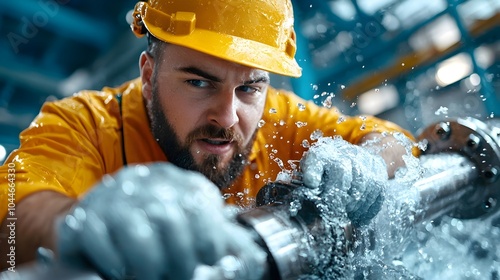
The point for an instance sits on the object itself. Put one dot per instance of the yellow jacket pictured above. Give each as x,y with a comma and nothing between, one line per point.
73,142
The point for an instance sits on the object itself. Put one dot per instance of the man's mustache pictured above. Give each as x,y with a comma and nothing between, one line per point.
211,131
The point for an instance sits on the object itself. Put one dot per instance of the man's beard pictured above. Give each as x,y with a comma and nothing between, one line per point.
180,155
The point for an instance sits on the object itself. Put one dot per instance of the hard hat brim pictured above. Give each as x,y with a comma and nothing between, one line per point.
232,48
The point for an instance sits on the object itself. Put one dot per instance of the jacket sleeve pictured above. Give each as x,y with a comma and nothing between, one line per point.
59,151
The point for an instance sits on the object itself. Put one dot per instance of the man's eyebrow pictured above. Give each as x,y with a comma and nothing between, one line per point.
262,79
199,72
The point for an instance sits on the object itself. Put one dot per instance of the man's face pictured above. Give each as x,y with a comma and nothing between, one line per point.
204,111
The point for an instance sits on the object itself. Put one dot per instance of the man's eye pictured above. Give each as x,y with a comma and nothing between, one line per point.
199,83
248,89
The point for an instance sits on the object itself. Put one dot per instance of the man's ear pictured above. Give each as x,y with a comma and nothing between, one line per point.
146,66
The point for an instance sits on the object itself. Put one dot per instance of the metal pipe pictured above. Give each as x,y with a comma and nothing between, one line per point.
441,191
285,236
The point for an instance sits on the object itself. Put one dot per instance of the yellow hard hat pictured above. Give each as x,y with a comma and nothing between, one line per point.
255,33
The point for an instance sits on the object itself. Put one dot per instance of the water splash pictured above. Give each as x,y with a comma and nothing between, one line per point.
328,103
325,245
316,134
396,244
305,143
441,111
300,124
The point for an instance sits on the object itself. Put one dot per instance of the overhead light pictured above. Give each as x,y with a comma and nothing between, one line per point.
453,69
378,100
444,32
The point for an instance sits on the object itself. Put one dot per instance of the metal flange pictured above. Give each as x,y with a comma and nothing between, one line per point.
480,142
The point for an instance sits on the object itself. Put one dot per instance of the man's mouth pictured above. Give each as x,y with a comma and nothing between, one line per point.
215,146
213,141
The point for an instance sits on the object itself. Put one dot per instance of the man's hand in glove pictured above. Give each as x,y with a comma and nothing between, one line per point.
346,172
157,222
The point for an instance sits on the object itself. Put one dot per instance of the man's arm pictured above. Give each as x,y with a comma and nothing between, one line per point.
34,227
391,150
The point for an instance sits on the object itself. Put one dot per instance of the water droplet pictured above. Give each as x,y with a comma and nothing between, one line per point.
342,86
429,227
261,123
316,134
422,145
305,143
441,111
341,119
300,124
280,163
315,87
301,106
295,206
273,111
327,103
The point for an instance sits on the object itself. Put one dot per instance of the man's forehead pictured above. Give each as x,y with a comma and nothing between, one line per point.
186,57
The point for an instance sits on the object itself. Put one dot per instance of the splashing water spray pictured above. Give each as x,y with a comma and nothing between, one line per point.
459,179
461,165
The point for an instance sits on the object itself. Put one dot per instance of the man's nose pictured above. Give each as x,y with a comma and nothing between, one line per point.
224,110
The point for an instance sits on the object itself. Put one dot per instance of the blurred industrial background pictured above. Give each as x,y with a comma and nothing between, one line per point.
409,61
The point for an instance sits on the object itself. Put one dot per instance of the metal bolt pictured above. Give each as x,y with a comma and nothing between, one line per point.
443,130
489,204
473,142
490,174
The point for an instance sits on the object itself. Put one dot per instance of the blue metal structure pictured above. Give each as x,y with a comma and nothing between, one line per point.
371,48
51,48
44,43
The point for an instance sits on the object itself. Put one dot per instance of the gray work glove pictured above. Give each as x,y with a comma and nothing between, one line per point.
349,173
158,222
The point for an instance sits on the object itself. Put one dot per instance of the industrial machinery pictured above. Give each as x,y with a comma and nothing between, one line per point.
466,187
305,242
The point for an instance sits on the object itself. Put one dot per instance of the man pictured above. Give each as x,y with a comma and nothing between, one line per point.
202,102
